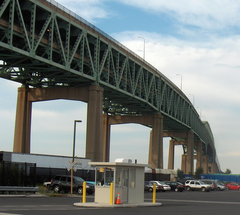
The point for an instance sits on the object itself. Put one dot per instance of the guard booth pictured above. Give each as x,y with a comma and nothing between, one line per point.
127,178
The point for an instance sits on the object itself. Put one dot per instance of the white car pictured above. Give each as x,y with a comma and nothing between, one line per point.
197,185
47,184
165,186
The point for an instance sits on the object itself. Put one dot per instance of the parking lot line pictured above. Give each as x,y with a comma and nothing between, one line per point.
196,201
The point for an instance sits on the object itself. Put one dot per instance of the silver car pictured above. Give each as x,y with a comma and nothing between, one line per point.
165,186
220,186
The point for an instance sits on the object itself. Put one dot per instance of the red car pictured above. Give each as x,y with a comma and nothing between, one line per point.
233,186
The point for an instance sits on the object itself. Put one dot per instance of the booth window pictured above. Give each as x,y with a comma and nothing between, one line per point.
104,176
122,177
133,177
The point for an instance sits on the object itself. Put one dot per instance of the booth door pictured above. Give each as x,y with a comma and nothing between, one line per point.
122,180
125,180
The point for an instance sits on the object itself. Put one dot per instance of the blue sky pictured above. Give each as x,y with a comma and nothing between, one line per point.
198,39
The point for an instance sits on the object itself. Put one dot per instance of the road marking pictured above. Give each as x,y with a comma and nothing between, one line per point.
38,208
195,201
8,214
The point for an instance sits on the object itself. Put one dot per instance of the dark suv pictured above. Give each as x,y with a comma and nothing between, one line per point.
63,183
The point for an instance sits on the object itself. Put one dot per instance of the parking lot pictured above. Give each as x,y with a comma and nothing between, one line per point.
186,202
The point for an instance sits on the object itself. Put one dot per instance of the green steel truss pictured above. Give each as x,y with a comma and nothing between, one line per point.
42,44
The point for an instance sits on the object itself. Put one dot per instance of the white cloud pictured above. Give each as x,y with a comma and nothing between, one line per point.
87,9
206,14
230,154
210,73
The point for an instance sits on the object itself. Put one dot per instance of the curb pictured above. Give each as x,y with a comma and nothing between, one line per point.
97,205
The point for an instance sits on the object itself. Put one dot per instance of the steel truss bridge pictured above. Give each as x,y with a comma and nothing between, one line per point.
43,44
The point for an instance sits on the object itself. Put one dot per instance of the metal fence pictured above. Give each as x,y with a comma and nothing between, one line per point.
17,174
46,174
157,177
222,177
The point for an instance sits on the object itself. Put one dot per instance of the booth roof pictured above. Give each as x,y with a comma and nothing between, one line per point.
114,164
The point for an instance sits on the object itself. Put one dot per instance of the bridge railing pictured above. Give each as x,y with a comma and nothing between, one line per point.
61,7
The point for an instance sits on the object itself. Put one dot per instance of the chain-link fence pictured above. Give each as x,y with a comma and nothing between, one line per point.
44,174
157,177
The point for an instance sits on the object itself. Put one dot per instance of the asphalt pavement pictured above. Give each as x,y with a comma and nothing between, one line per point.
173,203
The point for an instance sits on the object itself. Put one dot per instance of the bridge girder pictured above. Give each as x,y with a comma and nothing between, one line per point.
42,45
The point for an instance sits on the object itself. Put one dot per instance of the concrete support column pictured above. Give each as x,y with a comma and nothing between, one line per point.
189,158
205,164
22,122
155,157
199,154
106,138
183,166
171,154
213,167
94,139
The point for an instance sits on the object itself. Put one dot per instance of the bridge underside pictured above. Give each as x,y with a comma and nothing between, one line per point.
98,127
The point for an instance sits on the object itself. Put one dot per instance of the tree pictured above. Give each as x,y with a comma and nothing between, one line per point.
198,172
228,171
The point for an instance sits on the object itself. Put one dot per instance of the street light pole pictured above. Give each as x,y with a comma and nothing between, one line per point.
143,47
193,98
74,138
199,112
181,81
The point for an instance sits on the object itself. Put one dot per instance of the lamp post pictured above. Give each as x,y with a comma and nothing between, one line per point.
181,81
143,47
199,112
193,98
74,138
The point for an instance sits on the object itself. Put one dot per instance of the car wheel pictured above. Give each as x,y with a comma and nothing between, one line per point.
176,189
227,188
203,189
80,190
56,188
188,188
150,189
239,189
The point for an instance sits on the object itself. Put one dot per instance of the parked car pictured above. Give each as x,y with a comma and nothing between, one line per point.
175,186
148,186
220,186
233,186
63,183
197,185
165,186
212,183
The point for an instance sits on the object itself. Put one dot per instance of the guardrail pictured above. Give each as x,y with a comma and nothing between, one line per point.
15,189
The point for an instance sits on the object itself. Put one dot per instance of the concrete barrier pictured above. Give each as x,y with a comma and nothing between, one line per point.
16,189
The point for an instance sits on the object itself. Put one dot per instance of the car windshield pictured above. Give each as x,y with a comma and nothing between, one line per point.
201,182
220,184
156,182
79,179
161,183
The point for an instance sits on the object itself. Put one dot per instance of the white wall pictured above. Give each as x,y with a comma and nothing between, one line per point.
50,161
